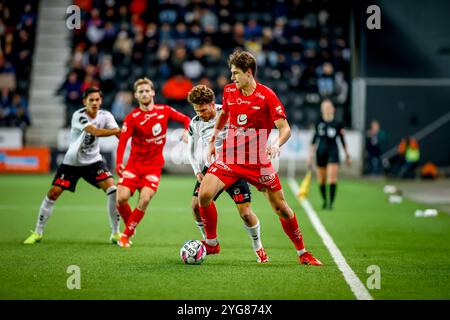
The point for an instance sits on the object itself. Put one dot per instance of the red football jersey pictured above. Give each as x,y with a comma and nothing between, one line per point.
251,119
147,130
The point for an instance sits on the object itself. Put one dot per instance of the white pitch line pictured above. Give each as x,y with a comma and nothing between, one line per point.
358,289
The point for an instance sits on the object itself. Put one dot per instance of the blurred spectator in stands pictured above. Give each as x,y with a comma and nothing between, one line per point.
95,32
7,74
71,88
123,46
176,89
139,47
325,81
107,74
375,146
341,87
19,116
122,105
5,107
162,60
409,150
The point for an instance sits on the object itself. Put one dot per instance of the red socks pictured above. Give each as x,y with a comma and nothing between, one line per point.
124,211
209,218
290,227
135,217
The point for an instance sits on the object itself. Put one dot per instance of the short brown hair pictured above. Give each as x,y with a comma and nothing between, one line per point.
243,60
200,94
140,81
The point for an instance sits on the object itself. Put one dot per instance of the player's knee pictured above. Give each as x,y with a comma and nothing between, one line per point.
245,212
283,210
205,198
121,200
54,194
194,205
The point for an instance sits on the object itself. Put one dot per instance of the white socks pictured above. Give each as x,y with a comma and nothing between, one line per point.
45,212
255,234
201,227
114,217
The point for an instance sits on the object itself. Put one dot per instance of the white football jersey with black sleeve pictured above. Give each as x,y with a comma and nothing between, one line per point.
84,148
199,135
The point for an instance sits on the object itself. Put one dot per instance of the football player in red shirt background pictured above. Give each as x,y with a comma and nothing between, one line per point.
147,128
251,110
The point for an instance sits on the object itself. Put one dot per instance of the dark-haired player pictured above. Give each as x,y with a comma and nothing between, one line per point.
251,110
83,160
202,99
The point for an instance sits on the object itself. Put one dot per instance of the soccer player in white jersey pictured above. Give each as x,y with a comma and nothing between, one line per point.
200,129
83,160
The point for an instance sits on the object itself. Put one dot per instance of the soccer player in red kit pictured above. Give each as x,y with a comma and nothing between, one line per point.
147,128
251,109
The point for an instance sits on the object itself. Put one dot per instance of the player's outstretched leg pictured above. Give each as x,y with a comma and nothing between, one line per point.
289,223
209,188
45,211
113,215
253,228
197,216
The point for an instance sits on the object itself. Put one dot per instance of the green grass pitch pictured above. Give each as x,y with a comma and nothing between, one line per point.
413,254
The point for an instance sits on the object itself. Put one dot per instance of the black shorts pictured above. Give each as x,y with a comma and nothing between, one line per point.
238,191
67,176
326,155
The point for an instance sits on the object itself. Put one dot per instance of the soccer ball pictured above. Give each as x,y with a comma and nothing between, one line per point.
193,252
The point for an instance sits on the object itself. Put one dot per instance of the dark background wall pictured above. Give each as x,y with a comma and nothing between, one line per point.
414,42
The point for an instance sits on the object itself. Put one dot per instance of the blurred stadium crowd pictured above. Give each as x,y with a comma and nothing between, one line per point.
17,36
302,51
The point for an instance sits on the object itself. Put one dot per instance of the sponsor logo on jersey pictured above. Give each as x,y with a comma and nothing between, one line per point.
147,117
124,127
134,115
267,179
259,95
240,101
160,116
236,191
230,89
152,178
256,107
157,129
230,103
279,109
331,132
221,165
242,119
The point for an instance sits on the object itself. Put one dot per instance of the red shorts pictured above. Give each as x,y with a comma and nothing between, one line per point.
261,176
135,178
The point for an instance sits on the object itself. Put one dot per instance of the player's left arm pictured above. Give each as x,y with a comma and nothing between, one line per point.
279,118
99,132
284,129
341,135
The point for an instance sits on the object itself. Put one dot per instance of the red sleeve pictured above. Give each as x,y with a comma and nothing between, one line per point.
275,106
174,115
127,131
225,101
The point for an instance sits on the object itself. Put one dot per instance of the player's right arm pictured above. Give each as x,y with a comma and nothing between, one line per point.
126,133
193,139
111,128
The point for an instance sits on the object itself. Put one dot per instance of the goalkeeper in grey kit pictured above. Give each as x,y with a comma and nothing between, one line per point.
200,129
